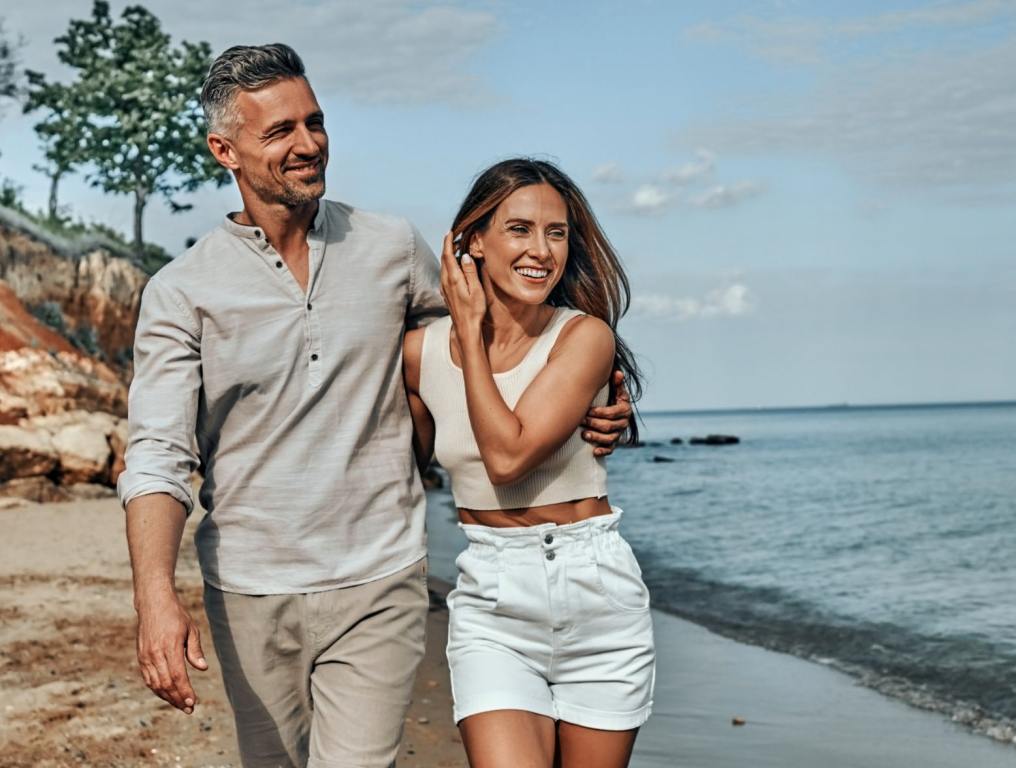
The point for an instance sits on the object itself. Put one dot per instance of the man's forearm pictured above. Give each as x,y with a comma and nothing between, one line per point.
154,529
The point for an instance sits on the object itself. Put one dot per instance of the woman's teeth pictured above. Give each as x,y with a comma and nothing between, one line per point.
531,272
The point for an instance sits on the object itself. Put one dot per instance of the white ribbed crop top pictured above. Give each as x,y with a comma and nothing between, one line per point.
571,472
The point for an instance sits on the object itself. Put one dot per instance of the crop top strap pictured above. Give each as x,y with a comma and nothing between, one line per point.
545,343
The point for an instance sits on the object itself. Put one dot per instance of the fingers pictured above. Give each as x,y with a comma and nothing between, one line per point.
607,427
448,252
620,390
161,653
195,655
620,411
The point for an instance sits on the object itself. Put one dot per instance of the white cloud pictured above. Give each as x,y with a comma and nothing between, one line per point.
382,52
608,173
726,195
696,170
649,198
896,114
730,301
807,40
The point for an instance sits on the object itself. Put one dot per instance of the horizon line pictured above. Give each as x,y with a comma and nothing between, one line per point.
844,406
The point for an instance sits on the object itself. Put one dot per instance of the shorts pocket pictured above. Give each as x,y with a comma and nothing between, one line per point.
619,578
478,583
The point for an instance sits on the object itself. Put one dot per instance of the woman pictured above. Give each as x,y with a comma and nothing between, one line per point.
550,637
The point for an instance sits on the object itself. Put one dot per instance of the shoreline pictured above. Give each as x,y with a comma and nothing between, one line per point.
73,695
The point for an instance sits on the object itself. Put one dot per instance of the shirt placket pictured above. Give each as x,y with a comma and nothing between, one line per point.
312,324
313,316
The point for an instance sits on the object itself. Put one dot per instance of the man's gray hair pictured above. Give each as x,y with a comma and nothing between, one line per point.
243,68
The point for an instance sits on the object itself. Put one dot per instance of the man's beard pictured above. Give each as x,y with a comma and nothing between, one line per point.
291,194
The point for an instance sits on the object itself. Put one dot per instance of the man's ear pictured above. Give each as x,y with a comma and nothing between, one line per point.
222,150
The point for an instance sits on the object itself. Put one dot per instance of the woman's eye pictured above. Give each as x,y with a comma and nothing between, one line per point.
557,233
520,229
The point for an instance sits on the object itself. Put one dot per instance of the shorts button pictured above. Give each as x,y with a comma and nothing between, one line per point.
551,555
548,539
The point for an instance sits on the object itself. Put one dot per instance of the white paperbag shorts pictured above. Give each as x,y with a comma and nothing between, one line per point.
553,620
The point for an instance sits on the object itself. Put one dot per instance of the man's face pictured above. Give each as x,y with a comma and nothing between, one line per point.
280,147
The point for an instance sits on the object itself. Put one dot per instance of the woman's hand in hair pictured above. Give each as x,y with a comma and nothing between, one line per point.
463,292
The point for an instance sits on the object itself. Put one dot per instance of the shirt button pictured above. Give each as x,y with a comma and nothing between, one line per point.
551,555
314,356
278,264
309,307
548,539
257,233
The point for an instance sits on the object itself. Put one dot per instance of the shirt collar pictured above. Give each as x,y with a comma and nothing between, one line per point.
253,232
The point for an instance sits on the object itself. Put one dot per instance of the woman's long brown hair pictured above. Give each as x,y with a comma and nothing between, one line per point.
593,281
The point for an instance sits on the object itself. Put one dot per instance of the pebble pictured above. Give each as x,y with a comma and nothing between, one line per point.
432,683
423,720
737,721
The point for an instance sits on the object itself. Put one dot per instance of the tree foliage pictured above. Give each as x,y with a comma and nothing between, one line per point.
62,130
132,114
8,65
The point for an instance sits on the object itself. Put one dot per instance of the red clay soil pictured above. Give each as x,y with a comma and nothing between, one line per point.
18,328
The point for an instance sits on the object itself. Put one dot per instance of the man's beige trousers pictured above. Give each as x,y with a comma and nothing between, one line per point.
321,679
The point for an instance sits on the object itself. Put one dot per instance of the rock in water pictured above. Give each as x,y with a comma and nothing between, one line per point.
676,441
715,440
662,460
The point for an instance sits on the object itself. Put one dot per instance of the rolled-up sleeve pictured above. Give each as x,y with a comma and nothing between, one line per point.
425,300
163,401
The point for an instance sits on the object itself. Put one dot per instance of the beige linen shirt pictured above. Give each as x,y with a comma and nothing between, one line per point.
291,404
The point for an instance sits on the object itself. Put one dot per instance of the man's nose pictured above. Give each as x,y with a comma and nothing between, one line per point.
304,142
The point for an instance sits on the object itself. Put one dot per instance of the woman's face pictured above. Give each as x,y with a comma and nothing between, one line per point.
525,246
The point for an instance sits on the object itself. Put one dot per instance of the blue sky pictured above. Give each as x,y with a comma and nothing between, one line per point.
814,200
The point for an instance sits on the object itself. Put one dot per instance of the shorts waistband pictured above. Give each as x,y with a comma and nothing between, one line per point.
529,535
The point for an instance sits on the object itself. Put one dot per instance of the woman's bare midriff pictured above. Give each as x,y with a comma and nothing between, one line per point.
559,514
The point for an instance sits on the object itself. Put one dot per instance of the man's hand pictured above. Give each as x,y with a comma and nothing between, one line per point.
166,635
604,425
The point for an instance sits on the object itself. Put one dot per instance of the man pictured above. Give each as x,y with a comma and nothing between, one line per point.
270,354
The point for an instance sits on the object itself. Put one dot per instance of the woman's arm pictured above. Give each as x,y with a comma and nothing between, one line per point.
423,422
513,443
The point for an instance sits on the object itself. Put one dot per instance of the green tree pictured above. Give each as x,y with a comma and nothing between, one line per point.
8,65
140,125
62,130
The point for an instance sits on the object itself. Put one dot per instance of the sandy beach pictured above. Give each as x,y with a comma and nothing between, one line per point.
72,694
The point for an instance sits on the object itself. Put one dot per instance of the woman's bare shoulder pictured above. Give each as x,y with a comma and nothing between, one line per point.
585,332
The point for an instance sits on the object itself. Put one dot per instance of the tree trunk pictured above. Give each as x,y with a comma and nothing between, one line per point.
54,182
140,199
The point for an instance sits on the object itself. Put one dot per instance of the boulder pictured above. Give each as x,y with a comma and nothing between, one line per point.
26,451
34,382
84,453
38,489
676,441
